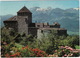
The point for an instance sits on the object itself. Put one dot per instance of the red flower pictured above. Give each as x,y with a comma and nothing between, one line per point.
39,53
7,55
24,47
16,54
65,55
71,49
36,52
55,51
13,55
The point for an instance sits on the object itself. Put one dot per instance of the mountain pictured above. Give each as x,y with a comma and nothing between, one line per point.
68,18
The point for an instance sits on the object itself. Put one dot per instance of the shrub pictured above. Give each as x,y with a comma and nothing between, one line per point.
66,51
27,52
12,42
39,53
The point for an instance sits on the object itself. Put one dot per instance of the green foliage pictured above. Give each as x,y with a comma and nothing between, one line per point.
7,35
25,52
42,44
11,40
18,45
77,47
66,51
7,48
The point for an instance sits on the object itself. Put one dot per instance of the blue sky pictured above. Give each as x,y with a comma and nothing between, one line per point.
11,7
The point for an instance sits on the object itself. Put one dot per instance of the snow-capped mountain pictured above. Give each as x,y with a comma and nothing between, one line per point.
68,18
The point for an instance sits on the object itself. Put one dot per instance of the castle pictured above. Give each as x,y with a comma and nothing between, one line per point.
22,23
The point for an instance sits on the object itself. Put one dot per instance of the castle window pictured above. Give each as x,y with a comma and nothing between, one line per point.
38,25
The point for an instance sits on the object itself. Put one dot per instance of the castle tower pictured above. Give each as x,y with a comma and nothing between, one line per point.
20,23
24,17
25,12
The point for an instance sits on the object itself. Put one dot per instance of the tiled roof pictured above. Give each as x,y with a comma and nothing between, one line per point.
16,18
24,9
12,19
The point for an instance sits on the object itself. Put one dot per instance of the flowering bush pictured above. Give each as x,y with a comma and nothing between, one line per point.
66,51
39,53
27,52
12,45
63,51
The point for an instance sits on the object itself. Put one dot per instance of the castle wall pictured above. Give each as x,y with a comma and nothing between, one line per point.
54,26
11,24
30,18
32,31
40,25
39,34
26,14
44,33
23,24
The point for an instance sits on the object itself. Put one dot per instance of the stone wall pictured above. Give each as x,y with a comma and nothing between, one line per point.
39,25
54,26
26,14
11,24
23,24
44,33
32,31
